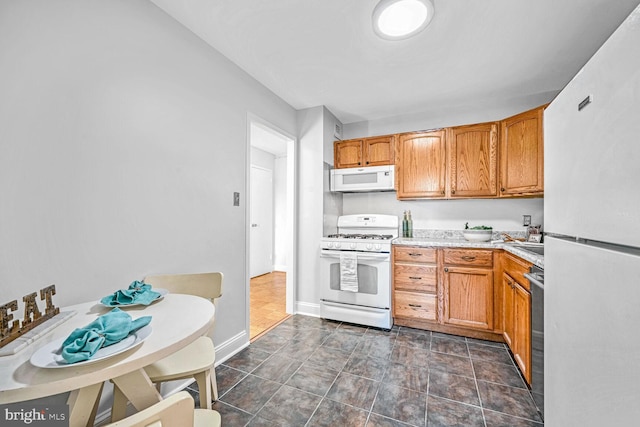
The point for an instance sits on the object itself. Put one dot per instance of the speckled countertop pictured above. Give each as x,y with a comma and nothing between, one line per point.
452,240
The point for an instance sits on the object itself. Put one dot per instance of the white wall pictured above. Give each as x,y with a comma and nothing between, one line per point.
310,188
123,137
262,159
501,214
332,202
315,132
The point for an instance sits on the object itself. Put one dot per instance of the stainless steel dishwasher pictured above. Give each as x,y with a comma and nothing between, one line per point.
536,279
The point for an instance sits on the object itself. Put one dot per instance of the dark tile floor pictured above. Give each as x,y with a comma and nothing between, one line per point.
312,372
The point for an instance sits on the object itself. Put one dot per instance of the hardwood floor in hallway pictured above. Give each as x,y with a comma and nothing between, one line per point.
268,302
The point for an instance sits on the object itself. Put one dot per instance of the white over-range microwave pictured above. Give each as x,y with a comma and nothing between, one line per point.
371,178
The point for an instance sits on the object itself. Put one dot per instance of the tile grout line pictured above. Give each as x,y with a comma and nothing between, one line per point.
362,337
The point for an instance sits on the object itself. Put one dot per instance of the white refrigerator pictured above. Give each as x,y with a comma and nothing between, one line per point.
592,247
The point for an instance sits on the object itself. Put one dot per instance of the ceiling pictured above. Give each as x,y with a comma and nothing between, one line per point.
324,52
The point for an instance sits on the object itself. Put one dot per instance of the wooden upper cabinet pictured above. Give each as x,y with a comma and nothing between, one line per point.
521,154
420,165
379,151
354,153
348,154
473,160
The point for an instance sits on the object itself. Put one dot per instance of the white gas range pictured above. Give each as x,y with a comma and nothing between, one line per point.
356,274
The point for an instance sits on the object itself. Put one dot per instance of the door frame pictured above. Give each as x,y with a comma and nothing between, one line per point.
291,215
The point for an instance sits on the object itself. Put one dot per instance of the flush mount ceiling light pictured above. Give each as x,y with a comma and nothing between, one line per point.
401,19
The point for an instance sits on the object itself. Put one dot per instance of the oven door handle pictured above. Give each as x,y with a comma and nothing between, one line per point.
377,256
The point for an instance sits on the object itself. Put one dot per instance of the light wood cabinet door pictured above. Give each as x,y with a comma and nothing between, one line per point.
379,151
473,160
522,334
516,313
348,154
521,154
508,307
420,165
468,297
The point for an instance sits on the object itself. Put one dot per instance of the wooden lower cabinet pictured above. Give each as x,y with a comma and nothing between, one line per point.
452,290
468,297
508,309
522,331
516,312
468,288
415,283
447,290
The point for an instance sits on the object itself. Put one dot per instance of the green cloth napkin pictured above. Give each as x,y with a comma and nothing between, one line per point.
136,293
107,329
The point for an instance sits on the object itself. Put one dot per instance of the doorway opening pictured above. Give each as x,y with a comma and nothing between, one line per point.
271,234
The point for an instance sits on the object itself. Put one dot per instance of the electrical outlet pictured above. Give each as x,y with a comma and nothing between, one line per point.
236,198
526,220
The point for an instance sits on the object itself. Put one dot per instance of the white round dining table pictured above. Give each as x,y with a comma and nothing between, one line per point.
177,320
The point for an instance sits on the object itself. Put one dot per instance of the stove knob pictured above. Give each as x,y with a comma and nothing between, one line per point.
378,246
352,246
370,246
338,245
330,245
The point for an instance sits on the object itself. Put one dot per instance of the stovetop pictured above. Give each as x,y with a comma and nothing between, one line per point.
363,233
361,236
357,242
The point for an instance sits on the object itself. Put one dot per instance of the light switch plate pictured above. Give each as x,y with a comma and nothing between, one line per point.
236,198
526,220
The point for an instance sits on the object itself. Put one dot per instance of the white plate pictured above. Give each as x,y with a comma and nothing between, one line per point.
50,355
161,291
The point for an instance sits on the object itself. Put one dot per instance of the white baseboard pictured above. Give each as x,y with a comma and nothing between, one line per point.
307,309
282,268
231,346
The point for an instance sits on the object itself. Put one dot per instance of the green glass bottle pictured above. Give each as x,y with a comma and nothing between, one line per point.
405,225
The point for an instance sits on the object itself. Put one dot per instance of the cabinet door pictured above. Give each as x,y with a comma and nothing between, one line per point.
522,335
468,297
508,309
379,151
420,165
521,154
347,154
473,163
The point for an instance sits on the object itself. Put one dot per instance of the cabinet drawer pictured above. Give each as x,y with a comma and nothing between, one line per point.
469,257
516,267
415,277
412,254
416,305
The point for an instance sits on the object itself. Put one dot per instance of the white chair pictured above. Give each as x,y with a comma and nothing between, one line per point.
174,411
196,359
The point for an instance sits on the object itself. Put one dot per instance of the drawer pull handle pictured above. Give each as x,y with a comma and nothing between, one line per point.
415,278
446,270
415,305
414,254
468,258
